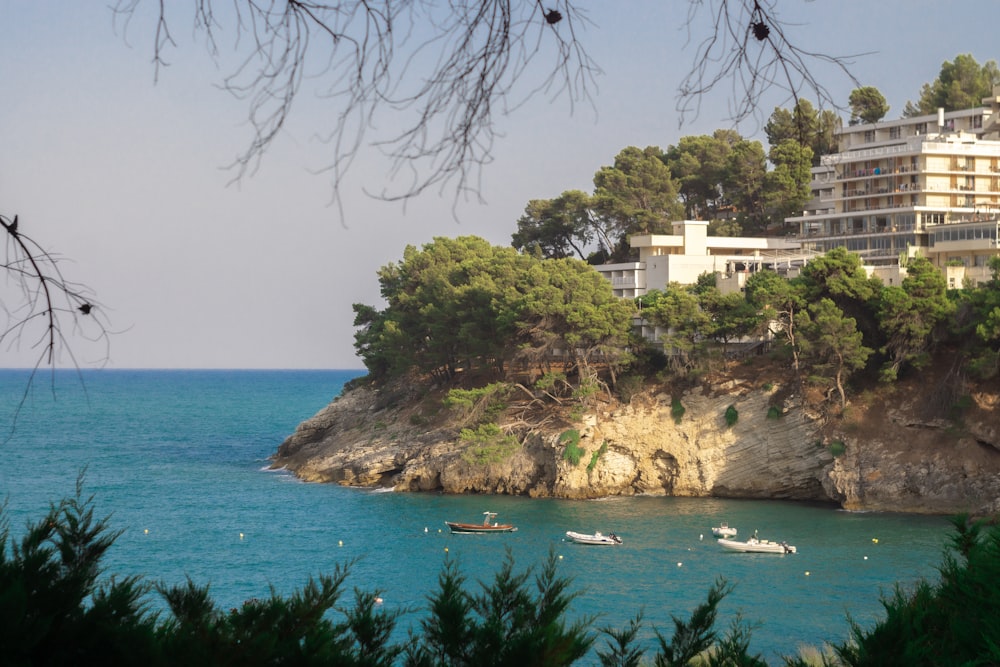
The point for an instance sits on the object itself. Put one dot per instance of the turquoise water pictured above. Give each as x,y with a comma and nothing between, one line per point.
179,461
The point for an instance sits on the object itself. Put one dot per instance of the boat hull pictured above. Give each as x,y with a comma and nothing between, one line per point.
480,528
757,546
595,539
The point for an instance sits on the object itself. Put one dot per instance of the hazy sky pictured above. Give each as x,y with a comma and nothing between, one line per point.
124,176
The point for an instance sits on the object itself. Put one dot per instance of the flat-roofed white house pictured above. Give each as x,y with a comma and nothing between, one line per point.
628,279
689,252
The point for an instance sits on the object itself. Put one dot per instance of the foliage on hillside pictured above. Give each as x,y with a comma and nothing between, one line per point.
462,304
718,177
534,316
56,608
551,332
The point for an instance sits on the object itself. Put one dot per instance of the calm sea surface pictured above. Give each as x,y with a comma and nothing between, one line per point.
178,459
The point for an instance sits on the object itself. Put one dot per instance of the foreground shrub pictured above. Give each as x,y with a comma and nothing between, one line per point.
52,611
955,621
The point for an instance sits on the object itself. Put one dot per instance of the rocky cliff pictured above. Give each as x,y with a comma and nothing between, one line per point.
883,453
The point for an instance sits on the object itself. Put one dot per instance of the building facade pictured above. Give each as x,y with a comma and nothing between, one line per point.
894,186
689,252
928,185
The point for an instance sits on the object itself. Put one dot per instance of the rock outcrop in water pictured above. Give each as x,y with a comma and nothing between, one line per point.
885,453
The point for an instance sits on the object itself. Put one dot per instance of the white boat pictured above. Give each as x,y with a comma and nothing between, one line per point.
754,545
723,530
595,538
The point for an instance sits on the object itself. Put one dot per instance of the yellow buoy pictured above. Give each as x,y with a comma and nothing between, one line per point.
679,564
241,536
807,573
340,543
146,531
560,556
875,540
446,549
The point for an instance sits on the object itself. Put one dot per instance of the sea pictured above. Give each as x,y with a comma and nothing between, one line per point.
179,462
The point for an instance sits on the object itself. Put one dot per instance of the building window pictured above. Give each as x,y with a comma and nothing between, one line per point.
894,132
977,122
869,136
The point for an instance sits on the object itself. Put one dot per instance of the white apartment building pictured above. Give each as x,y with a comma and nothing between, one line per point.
893,185
927,185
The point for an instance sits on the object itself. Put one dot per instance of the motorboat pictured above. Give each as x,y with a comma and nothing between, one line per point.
755,545
723,530
489,525
594,538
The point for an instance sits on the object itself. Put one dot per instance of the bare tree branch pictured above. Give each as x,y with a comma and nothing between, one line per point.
444,70
425,81
749,46
43,308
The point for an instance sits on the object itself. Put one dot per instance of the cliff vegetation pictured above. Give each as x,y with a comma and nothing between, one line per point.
492,371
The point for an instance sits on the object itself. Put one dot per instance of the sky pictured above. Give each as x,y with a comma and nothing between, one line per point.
122,172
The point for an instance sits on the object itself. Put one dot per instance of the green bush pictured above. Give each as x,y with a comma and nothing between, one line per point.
573,451
586,389
480,405
596,456
551,382
837,448
774,412
676,410
732,414
628,386
984,364
486,444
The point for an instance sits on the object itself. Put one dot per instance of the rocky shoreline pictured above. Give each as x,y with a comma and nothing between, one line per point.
884,455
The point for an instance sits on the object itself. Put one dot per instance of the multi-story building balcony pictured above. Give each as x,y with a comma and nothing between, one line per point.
892,181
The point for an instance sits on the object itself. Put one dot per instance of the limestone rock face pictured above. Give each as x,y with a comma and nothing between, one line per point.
777,448
701,455
895,461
